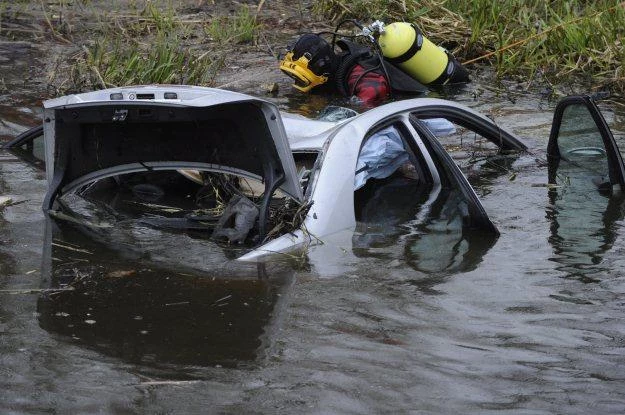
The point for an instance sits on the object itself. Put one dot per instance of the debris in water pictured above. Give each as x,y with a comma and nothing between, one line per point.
121,274
36,290
69,218
547,185
5,201
271,88
161,208
168,382
220,302
84,251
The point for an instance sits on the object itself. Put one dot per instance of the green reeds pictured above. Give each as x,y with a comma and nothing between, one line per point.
150,42
113,62
558,39
239,28
150,48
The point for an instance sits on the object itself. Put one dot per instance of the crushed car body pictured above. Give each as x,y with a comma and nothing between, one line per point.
259,168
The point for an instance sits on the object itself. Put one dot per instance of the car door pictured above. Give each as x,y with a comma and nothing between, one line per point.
582,148
435,217
469,207
586,182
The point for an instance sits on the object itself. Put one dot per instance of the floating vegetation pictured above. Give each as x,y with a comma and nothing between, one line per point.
559,39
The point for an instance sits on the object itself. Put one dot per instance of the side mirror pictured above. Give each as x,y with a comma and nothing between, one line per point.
29,147
581,138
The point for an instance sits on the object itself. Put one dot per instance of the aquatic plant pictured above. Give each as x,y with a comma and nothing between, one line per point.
558,39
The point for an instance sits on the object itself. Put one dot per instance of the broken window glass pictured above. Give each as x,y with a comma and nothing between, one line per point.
471,150
333,113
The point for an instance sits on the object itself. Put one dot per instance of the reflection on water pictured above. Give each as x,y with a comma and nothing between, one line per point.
426,228
443,244
151,314
495,339
583,222
582,209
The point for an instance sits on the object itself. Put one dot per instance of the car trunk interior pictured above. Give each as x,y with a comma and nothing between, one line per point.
124,159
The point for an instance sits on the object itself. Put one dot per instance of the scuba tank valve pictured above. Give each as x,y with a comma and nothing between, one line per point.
373,31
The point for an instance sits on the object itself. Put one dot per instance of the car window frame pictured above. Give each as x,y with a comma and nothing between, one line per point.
478,216
616,168
473,121
415,153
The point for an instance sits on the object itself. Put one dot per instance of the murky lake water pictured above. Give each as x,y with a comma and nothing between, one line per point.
159,323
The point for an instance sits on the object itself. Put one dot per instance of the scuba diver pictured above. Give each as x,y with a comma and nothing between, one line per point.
400,59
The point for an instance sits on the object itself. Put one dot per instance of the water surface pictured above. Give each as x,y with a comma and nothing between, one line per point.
422,322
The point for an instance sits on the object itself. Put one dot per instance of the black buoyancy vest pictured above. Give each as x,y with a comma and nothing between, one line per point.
353,53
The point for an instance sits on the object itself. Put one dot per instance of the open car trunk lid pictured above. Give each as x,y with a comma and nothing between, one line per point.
105,133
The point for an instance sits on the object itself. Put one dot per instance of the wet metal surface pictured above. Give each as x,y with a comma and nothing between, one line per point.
389,319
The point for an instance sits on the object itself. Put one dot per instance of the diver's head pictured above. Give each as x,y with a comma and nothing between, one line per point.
310,61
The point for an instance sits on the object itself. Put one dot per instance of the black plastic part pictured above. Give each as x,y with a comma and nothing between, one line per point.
454,73
273,178
23,146
342,73
24,138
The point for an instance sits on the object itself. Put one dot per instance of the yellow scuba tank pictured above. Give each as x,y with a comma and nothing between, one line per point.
404,45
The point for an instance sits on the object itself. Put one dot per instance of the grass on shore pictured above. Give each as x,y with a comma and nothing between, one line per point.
239,28
151,42
558,39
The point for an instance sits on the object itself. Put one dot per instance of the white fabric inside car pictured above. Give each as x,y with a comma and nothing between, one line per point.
383,153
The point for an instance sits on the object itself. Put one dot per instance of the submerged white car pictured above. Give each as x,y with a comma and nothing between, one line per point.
248,175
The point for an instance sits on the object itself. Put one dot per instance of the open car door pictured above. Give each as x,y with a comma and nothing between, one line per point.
582,148
469,206
583,158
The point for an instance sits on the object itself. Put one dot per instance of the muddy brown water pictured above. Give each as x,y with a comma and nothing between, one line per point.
160,322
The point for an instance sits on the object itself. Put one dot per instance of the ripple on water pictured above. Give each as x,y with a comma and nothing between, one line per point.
350,332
